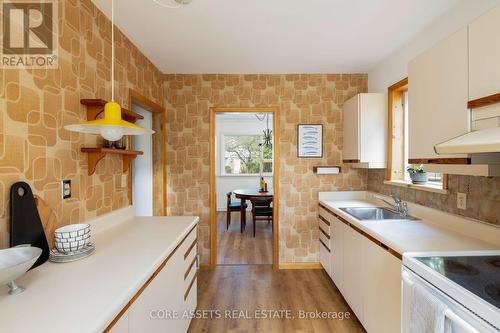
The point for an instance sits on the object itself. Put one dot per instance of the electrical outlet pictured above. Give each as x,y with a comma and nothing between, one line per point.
66,189
462,201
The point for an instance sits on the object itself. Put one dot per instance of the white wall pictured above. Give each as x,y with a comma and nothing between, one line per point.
142,186
395,67
227,124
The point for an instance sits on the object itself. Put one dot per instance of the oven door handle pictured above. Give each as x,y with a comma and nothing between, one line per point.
453,317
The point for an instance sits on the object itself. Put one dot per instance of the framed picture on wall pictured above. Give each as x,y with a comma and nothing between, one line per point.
310,140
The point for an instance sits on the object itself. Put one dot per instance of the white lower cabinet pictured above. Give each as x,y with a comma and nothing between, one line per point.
161,297
382,289
354,271
337,253
166,303
121,326
367,275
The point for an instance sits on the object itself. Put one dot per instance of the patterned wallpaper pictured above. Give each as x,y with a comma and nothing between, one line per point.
483,195
36,104
301,99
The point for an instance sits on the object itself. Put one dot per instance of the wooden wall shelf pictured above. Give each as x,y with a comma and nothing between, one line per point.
97,154
96,106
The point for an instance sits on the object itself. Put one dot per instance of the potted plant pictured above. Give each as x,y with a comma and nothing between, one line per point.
417,174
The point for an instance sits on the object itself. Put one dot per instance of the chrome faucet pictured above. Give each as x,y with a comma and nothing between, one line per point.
399,206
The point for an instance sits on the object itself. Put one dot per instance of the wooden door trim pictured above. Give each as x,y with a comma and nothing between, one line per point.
213,197
137,98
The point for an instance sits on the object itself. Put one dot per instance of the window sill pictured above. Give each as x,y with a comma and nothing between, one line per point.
423,187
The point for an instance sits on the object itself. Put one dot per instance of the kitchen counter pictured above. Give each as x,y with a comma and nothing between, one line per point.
416,236
86,295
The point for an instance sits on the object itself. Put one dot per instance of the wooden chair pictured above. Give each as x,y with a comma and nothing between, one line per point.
261,210
232,207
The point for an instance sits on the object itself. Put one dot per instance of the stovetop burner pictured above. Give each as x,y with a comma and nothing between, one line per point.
478,274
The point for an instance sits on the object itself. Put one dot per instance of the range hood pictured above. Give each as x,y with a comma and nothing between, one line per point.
480,141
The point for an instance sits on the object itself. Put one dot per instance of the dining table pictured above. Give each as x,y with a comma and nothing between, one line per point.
245,194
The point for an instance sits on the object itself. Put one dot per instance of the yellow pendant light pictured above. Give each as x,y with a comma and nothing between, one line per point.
112,127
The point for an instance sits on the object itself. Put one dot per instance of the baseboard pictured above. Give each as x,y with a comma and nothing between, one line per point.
300,265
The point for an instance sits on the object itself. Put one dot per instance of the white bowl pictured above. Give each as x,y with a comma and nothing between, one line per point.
72,230
14,262
71,247
72,239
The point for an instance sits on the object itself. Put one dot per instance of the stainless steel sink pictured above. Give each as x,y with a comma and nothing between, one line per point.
375,213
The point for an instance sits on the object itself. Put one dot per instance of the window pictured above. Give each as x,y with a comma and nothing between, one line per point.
246,155
398,146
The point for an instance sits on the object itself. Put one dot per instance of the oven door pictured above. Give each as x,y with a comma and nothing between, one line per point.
459,317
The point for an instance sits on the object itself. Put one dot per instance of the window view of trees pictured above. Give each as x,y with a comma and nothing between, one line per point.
242,155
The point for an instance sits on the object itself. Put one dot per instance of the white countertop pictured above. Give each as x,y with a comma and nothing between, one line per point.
86,295
409,236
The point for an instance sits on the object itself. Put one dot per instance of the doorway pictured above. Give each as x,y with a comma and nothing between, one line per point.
147,177
241,154
142,187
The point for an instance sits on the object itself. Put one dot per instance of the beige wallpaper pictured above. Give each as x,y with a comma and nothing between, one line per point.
36,104
301,99
483,195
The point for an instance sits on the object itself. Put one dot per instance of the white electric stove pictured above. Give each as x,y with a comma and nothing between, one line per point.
467,282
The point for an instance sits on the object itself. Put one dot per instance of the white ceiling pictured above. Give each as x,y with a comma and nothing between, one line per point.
273,36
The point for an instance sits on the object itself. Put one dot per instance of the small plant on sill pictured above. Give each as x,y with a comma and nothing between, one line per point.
417,174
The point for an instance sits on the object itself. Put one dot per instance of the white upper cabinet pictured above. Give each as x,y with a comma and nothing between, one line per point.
484,55
438,96
365,131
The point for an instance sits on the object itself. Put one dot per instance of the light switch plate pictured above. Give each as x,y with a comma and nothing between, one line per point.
66,189
462,201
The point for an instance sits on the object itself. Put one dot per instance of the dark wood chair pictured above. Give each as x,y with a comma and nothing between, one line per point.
261,210
232,207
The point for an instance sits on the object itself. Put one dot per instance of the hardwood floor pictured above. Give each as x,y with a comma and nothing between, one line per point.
259,287
234,247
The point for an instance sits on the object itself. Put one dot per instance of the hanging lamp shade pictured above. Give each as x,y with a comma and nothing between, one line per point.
112,127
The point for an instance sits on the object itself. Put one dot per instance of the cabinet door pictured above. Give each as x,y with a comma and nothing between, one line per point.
121,326
163,296
382,290
324,225
484,55
350,149
373,129
337,252
353,270
438,95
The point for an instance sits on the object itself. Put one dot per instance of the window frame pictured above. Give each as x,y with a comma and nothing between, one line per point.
398,93
222,148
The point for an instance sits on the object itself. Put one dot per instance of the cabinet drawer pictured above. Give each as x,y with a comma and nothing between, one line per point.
326,239
324,225
324,257
188,241
326,215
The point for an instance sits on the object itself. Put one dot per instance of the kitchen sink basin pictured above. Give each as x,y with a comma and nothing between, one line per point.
375,213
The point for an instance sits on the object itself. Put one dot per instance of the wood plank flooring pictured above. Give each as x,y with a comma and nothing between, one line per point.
234,247
259,287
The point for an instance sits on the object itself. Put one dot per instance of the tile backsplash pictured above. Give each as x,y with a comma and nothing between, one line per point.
483,195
